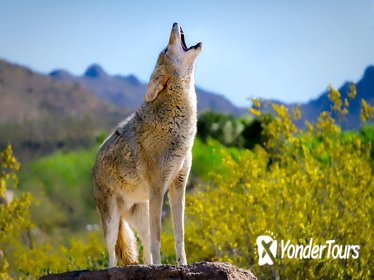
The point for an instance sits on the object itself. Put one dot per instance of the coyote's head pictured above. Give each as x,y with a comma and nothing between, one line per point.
176,61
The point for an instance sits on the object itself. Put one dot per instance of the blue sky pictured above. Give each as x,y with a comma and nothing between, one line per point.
285,50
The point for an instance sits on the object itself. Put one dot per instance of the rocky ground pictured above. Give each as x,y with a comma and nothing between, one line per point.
195,271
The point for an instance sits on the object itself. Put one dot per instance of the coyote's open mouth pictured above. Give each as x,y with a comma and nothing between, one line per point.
183,42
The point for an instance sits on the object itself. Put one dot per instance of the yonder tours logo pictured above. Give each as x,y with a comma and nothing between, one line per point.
268,250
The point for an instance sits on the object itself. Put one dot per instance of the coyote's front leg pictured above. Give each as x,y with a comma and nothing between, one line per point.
176,198
156,197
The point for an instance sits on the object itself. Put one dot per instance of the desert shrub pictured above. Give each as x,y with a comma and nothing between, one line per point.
26,252
14,218
83,251
310,183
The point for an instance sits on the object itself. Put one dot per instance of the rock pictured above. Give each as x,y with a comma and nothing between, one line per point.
195,271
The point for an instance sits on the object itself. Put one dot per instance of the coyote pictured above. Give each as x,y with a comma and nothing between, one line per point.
148,154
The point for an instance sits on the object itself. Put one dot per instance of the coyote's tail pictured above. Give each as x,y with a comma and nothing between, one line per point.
126,249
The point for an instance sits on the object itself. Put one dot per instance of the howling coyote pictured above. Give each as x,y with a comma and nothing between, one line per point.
148,154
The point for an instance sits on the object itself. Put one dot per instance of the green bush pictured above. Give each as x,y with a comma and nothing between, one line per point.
230,131
62,186
367,135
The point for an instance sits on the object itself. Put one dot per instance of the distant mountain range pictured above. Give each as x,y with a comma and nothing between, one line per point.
365,90
27,96
312,109
40,113
128,91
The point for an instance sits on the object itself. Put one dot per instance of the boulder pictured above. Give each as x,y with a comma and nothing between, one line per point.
195,271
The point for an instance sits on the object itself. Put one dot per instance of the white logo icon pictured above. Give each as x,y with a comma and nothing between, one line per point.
267,249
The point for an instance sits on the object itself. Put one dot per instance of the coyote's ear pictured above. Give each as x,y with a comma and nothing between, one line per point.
156,84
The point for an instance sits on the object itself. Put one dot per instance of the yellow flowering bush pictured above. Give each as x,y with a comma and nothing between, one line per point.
301,184
14,215
25,251
85,251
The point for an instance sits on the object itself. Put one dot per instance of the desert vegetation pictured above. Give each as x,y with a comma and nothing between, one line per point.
249,176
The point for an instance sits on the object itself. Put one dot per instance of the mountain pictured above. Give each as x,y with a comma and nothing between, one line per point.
124,92
128,91
365,90
26,95
312,109
39,113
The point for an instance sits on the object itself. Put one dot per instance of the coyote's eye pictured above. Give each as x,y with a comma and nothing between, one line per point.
166,49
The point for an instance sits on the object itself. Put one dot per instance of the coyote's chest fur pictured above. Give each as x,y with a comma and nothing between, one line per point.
168,126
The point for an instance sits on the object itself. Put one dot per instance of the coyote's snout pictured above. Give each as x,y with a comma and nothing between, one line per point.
148,154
